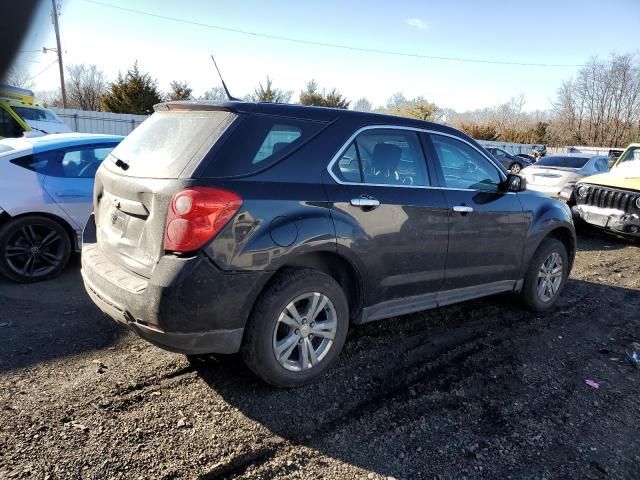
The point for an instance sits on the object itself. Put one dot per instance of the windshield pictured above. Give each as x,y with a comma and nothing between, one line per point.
633,153
36,114
563,162
164,144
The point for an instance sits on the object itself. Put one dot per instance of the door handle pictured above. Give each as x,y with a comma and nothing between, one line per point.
365,202
72,194
463,209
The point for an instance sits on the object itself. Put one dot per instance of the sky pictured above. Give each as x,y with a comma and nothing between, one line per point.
560,32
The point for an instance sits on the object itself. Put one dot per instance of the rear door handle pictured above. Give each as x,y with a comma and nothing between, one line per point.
72,194
463,209
365,202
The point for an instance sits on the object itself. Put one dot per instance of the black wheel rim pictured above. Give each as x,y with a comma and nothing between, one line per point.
34,250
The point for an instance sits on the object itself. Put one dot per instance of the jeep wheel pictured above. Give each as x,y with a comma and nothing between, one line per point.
546,276
297,329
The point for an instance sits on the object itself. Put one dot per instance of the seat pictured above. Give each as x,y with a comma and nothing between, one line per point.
385,160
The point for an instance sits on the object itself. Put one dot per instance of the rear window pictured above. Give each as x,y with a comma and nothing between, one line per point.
566,162
167,142
260,141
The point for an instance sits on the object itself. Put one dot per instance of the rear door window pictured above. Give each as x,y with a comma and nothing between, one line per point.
168,142
258,142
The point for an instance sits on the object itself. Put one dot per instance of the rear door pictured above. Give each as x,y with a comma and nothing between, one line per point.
487,226
69,178
385,211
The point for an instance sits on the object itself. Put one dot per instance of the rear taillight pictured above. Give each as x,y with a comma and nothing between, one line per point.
196,215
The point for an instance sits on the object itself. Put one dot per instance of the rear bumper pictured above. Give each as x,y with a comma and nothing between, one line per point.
187,306
609,219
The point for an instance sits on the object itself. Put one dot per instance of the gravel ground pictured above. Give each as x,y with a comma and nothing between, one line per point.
478,390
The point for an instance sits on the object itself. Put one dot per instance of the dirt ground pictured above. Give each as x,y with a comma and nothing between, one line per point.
478,390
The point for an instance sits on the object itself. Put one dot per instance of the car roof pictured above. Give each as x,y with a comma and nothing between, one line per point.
304,112
576,155
56,140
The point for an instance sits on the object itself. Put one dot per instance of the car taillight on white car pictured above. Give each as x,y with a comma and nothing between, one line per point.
196,215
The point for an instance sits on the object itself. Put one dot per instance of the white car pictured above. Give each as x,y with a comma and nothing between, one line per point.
556,175
46,187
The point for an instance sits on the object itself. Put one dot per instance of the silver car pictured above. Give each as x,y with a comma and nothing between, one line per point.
557,173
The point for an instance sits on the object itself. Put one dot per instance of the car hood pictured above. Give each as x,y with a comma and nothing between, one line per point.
625,177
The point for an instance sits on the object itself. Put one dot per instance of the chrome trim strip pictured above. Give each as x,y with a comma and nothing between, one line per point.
346,145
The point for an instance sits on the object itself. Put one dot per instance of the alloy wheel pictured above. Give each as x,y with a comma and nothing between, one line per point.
515,168
305,331
550,277
34,250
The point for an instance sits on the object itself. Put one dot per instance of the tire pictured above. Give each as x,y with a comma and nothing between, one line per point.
533,299
515,167
33,248
271,327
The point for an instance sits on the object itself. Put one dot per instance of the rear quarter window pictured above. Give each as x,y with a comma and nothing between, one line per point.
259,142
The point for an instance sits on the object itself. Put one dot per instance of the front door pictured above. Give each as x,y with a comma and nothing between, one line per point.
487,225
385,210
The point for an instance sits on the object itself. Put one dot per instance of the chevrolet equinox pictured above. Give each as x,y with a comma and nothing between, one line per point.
270,229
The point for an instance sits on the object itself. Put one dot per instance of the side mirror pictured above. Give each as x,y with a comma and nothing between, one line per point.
515,183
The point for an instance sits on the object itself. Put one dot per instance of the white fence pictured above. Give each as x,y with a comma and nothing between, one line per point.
514,148
604,151
99,122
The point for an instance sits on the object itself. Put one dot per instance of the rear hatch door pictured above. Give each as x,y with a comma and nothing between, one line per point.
135,184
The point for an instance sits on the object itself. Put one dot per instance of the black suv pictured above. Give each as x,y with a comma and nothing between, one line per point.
270,229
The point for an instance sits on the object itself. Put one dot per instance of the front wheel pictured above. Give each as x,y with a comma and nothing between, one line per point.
297,329
546,276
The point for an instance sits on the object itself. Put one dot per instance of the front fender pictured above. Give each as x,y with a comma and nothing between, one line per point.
545,216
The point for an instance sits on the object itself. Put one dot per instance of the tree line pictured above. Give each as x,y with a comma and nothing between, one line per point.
599,106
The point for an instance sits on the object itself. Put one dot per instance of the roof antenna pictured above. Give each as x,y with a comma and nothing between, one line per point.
224,85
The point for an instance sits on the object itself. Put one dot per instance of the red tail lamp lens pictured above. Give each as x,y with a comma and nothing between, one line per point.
196,215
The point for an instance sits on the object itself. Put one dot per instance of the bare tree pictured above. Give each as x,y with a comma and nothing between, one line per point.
362,105
17,77
216,93
49,98
85,87
601,105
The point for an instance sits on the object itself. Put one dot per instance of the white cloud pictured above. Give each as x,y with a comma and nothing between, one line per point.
417,23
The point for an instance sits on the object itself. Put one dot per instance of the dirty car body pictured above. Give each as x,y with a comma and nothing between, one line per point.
386,209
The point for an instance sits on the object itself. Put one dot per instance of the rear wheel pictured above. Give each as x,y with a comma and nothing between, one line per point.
33,248
546,276
515,168
297,328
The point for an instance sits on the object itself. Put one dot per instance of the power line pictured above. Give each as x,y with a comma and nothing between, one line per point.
44,69
331,45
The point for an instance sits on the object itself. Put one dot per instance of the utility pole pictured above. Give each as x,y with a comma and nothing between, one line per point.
54,18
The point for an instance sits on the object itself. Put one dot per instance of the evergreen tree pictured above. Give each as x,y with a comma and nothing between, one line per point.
135,92
179,91
267,93
313,96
